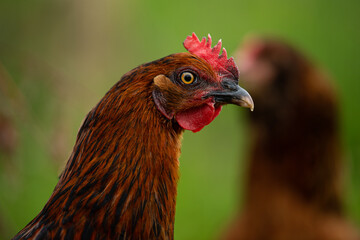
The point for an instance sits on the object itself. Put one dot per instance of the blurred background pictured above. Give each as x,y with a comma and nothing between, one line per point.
58,58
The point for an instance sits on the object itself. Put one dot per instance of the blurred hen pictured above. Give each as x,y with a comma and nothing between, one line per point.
293,187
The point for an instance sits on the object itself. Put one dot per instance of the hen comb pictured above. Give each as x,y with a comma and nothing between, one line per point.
220,63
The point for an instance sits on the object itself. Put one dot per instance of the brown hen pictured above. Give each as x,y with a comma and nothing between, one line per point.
120,181
293,189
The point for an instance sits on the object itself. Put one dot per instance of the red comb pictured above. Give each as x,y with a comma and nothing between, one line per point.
220,63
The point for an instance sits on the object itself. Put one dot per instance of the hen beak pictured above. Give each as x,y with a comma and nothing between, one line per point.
233,94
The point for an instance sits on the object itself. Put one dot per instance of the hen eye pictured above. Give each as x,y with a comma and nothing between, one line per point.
187,77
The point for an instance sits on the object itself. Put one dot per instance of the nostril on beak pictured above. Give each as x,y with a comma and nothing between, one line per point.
231,85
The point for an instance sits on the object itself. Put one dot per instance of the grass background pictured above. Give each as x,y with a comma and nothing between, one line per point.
58,58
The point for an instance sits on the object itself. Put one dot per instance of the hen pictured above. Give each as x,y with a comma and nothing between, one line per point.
120,181
293,189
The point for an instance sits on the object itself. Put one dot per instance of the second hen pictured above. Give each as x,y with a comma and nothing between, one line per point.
293,187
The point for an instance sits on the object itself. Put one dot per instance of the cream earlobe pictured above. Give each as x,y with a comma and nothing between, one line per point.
160,82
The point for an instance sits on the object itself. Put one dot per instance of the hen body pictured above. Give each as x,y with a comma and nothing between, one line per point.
120,181
293,186
116,180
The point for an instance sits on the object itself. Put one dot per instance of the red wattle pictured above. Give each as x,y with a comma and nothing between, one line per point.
194,119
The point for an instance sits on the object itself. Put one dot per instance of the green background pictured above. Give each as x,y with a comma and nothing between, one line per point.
58,58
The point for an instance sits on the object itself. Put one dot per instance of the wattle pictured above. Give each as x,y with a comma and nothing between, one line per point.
194,119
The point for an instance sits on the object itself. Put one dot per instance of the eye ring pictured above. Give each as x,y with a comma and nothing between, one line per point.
187,77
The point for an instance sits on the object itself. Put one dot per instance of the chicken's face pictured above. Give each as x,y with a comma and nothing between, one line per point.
270,70
276,74
265,64
193,90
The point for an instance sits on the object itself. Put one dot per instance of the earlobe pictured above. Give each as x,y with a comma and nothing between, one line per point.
160,82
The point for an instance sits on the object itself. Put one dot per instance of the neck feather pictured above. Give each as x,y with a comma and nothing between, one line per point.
121,178
297,150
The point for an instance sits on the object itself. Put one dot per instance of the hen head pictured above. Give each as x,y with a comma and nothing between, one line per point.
195,85
270,68
290,92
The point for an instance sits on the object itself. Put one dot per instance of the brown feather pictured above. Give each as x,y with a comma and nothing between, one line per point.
120,181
